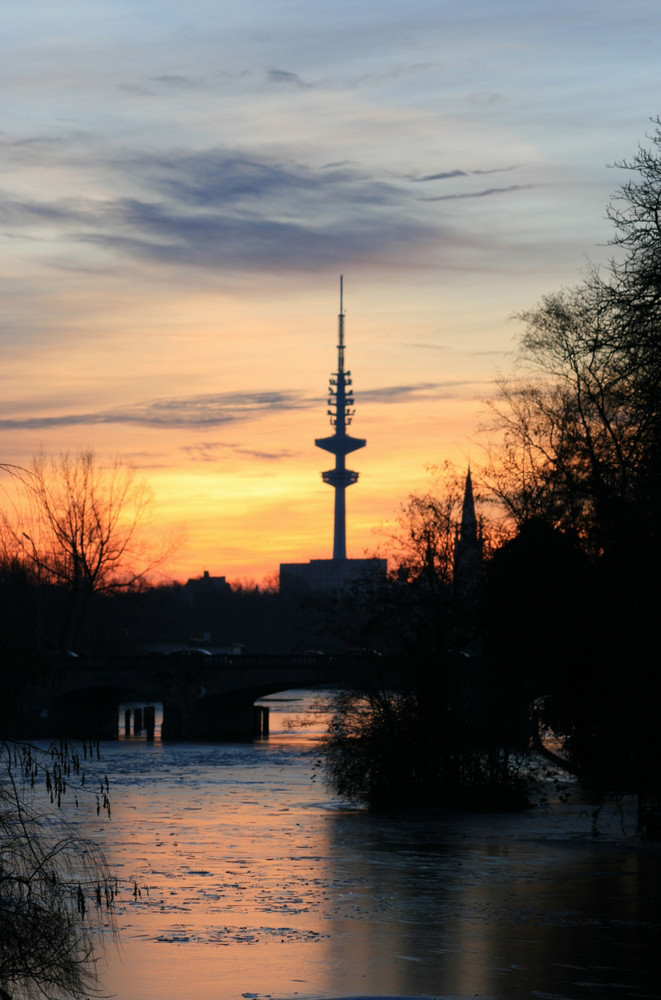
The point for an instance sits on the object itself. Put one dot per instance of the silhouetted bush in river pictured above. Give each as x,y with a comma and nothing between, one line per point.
424,722
389,753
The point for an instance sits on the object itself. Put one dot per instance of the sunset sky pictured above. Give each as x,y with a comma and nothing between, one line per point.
183,183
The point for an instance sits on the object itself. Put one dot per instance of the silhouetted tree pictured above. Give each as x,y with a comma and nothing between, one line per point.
581,451
581,422
540,595
77,521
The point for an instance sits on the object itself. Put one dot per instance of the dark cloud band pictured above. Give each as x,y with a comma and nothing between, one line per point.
481,194
216,410
228,209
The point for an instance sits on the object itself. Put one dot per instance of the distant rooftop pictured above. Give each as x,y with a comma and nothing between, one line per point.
207,582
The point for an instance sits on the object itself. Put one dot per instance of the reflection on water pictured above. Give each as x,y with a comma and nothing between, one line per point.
139,720
493,912
255,885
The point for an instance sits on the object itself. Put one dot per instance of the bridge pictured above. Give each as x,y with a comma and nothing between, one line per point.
203,697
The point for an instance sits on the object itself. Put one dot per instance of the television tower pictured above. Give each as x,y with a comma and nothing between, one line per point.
340,444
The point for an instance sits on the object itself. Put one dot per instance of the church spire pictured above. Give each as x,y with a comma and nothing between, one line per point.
468,531
467,547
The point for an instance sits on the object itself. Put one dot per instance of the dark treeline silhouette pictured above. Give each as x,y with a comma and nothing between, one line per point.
74,526
580,474
158,618
567,610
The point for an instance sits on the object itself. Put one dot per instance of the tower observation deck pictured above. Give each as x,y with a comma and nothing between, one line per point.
340,444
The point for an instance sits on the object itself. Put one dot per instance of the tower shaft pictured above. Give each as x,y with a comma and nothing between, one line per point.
340,444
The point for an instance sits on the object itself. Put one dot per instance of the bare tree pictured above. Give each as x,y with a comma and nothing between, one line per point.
78,521
573,432
580,418
422,544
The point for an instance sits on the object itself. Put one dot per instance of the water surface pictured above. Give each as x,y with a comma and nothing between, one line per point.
254,884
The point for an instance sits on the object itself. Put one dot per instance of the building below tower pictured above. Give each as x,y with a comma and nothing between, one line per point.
329,574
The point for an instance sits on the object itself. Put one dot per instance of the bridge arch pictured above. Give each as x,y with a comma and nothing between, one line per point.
208,698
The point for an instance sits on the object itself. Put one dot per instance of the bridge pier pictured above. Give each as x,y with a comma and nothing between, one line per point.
262,721
172,726
143,718
211,719
149,720
137,721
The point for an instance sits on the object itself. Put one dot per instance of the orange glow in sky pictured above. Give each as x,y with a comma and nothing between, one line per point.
181,193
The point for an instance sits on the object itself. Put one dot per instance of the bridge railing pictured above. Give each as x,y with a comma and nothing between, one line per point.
332,667
221,661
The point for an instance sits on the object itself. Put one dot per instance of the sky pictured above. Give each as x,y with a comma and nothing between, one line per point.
181,186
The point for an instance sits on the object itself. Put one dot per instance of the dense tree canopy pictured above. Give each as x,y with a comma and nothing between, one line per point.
581,421
580,455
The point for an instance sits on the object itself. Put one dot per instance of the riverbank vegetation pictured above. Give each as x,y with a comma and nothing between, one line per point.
56,892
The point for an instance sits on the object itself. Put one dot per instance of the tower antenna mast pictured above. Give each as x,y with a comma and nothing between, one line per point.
340,444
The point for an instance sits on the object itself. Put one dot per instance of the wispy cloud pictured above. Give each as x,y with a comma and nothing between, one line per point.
481,194
416,392
26,213
496,170
448,175
451,174
176,81
266,456
225,209
212,451
192,412
223,409
285,77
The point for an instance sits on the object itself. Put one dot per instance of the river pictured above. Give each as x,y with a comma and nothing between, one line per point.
255,884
